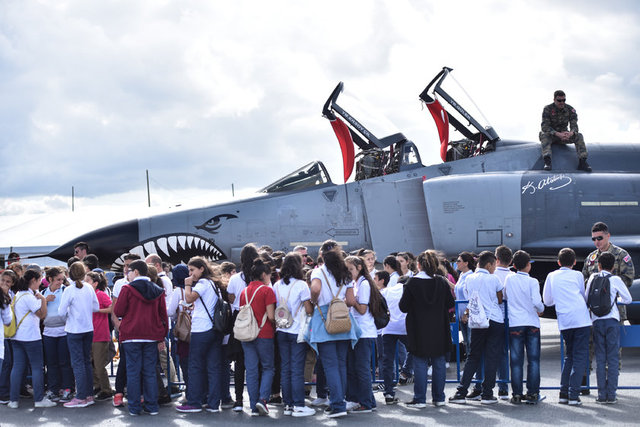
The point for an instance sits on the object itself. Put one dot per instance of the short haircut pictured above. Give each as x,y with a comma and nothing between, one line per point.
485,258
391,262
91,261
299,248
567,257
131,257
520,260
154,259
504,254
72,260
607,261
141,266
558,93
81,245
599,226
384,276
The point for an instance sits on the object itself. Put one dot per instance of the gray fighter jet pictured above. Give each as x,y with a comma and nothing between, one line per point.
486,192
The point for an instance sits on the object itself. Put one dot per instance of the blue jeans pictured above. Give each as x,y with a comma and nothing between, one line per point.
292,357
438,378
142,358
225,379
80,352
359,373
576,360
488,342
521,338
205,364
334,362
27,352
389,343
258,354
56,354
322,391
5,372
606,344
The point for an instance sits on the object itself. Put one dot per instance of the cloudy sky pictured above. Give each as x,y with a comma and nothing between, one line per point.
206,94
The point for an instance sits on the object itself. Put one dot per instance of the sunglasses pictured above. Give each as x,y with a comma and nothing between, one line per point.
561,100
598,238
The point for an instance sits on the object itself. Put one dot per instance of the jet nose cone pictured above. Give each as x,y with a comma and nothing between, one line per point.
106,243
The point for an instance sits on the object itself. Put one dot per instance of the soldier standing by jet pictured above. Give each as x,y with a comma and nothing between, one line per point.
555,118
623,266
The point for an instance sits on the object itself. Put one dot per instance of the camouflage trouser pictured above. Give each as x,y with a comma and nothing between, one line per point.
547,139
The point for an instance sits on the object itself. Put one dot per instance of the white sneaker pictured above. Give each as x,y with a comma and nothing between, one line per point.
13,405
302,411
352,405
45,403
429,371
320,401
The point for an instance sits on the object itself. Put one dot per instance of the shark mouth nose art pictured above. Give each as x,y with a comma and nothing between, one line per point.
174,248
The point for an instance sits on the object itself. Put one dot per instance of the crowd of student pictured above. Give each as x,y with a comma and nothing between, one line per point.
324,317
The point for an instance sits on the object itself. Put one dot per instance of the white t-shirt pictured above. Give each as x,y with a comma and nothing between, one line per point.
168,287
295,293
200,320
362,290
487,285
396,325
502,273
393,279
117,287
460,294
564,288
174,305
79,304
522,293
328,292
29,330
235,287
6,317
617,288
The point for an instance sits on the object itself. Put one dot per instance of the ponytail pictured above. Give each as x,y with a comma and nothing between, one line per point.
77,272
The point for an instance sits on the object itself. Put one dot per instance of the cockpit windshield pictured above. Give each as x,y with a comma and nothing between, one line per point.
310,175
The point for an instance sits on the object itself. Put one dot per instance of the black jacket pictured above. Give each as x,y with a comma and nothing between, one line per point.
427,303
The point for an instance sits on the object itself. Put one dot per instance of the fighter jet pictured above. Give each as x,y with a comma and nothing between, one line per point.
487,191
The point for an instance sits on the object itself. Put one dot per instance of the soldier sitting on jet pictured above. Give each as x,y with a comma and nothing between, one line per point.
555,118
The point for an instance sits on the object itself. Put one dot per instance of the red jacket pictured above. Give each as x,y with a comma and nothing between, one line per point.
143,310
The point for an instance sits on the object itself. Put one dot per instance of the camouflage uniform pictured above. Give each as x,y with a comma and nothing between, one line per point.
623,268
554,120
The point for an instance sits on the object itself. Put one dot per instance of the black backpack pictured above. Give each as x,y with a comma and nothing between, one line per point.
383,318
599,298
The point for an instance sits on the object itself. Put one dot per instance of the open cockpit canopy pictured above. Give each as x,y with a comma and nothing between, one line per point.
310,175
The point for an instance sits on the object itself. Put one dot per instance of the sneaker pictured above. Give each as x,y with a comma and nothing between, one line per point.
54,397
227,404
405,379
438,404
516,399
475,395
13,404
489,400
77,403
103,395
188,408
45,403
26,391
361,410
149,411
352,405
237,406
65,395
320,401
255,413
302,411
377,387
563,399
134,414
288,410
90,400
275,400
117,400
261,406
458,398
175,391
390,400
213,410
601,400
575,402
503,395
335,413
612,401
4,400
414,404
532,398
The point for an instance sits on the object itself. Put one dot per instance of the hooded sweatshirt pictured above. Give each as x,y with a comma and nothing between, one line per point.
143,309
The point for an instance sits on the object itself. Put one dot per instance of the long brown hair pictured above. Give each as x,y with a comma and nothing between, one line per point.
77,272
374,295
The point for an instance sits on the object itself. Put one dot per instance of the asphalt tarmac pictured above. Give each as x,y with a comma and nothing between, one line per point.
548,412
